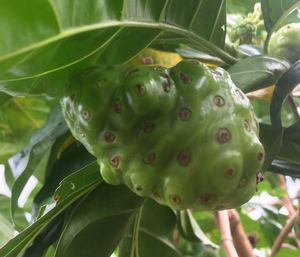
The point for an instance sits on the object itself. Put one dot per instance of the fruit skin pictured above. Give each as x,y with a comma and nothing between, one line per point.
185,136
285,43
243,32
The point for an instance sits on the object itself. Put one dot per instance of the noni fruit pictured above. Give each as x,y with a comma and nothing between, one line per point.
285,43
185,136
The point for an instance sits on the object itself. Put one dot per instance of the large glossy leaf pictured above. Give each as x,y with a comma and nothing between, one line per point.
151,234
276,10
257,72
7,230
72,188
39,50
98,223
283,88
19,117
27,162
60,165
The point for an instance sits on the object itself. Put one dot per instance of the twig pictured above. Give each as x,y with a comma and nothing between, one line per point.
293,107
283,234
224,225
287,201
240,238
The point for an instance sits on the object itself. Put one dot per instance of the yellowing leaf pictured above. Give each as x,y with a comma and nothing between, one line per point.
154,57
264,94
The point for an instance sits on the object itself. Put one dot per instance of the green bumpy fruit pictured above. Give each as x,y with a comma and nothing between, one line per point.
243,32
285,42
186,136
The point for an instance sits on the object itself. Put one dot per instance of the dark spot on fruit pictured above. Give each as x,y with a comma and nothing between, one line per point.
115,161
56,198
259,177
166,87
240,94
86,115
230,172
246,125
223,135
156,195
185,114
185,78
138,188
184,157
208,198
243,182
260,156
175,199
150,158
117,106
219,100
109,137
149,126
140,89
147,60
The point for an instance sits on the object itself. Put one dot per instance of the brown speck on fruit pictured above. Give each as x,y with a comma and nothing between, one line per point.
175,199
148,126
166,87
150,158
185,114
259,177
156,195
230,172
140,89
56,198
86,115
184,157
208,198
138,188
115,161
147,60
260,156
238,92
246,125
109,137
185,78
117,106
243,182
194,62
219,101
223,135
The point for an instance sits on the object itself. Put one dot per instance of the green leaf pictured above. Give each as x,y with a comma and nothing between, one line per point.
276,10
64,37
69,161
242,7
98,222
72,188
283,88
190,230
7,230
285,252
152,233
257,72
24,164
19,117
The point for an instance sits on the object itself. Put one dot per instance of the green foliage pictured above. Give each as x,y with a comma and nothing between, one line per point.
71,211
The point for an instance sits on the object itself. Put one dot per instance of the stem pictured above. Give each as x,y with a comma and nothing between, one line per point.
283,234
226,238
288,202
240,238
293,107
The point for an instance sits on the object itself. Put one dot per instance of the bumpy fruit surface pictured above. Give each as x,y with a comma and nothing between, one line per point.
285,42
185,136
243,32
